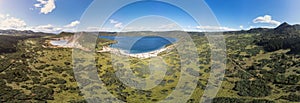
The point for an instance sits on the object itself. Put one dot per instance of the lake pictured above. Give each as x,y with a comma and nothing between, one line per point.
59,42
140,44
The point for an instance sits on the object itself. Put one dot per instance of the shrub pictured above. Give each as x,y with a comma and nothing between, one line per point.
42,93
257,88
227,100
292,97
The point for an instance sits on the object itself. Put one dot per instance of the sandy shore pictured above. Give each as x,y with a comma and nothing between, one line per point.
68,42
138,55
71,43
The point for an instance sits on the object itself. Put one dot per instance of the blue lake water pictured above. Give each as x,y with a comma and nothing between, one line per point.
59,42
140,44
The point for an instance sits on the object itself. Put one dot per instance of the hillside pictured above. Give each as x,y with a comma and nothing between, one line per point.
8,43
285,36
260,68
22,32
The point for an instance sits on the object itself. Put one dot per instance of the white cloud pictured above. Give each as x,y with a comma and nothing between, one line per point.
31,9
266,19
70,27
270,27
164,27
93,29
42,27
170,26
46,28
116,23
2,16
42,1
8,22
46,6
252,27
69,30
13,23
56,29
37,5
72,24
96,29
241,27
214,28
119,25
113,21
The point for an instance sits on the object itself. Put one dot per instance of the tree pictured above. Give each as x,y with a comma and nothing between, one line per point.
256,88
291,97
227,100
42,93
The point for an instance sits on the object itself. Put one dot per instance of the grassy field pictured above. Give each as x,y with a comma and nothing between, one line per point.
46,74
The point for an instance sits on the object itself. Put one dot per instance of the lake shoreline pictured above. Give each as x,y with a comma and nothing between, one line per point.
70,42
64,42
145,55
160,44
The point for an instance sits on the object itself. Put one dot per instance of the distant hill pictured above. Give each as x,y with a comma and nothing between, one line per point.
285,36
283,29
287,29
22,32
9,39
8,44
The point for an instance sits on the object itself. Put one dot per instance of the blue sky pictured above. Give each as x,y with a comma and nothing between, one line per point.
64,15
234,13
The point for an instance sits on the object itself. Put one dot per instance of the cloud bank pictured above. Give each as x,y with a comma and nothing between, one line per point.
266,19
45,6
116,24
8,22
214,28
72,24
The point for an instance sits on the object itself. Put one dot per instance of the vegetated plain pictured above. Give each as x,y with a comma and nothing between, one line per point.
263,66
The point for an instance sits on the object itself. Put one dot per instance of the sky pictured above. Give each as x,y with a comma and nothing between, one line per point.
55,16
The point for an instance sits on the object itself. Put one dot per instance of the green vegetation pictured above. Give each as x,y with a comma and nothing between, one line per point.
8,44
260,69
283,37
256,88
